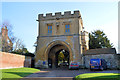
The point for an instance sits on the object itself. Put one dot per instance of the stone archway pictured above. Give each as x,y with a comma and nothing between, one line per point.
55,47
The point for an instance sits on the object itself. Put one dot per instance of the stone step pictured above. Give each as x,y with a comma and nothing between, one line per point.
48,78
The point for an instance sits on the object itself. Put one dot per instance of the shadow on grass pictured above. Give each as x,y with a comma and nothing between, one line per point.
110,77
21,74
10,78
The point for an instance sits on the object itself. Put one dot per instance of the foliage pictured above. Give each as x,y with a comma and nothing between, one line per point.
15,44
23,51
18,45
17,73
98,39
61,56
7,38
29,54
10,32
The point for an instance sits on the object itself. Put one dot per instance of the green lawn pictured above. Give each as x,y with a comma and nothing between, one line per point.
98,76
17,73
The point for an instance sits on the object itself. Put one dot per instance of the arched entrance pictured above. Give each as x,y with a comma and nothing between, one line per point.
59,55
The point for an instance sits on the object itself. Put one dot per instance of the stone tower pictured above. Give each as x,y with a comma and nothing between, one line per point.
59,32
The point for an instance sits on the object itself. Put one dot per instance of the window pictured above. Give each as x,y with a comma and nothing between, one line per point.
67,28
49,29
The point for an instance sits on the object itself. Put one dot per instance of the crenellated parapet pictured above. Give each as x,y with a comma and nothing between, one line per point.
59,15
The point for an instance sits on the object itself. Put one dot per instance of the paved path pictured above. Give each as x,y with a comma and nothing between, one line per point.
56,74
67,73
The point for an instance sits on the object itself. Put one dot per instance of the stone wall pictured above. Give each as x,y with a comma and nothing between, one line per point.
118,58
27,62
48,43
9,60
71,40
112,60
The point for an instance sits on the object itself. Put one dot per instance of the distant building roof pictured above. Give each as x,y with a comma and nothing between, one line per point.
100,51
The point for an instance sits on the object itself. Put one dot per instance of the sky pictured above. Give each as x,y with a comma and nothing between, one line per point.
96,15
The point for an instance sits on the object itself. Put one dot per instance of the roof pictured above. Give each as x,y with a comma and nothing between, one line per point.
100,51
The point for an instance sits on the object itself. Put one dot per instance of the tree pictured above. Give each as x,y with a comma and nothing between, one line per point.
19,47
61,56
7,38
22,51
10,32
18,44
15,45
98,39
10,43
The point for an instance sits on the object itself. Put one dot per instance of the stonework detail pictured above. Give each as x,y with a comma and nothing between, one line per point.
66,32
109,54
85,40
110,58
53,32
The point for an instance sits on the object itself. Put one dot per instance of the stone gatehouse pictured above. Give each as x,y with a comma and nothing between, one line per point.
60,33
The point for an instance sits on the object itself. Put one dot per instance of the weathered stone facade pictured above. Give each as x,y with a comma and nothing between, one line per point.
118,58
53,36
85,40
59,38
109,54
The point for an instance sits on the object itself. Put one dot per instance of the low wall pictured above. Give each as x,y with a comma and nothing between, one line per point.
112,60
118,57
27,62
10,60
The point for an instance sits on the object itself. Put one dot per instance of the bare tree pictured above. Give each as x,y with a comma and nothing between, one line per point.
10,32
10,43
18,44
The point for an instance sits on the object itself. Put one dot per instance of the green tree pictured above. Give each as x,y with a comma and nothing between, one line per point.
61,56
23,51
98,39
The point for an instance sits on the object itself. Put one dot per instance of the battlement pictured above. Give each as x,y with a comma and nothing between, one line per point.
58,15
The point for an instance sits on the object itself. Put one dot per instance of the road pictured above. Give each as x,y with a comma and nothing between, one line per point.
58,74
67,73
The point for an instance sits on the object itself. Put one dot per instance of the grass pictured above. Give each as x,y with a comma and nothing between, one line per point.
17,73
98,76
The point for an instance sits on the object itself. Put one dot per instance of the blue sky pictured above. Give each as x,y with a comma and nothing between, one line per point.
95,15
